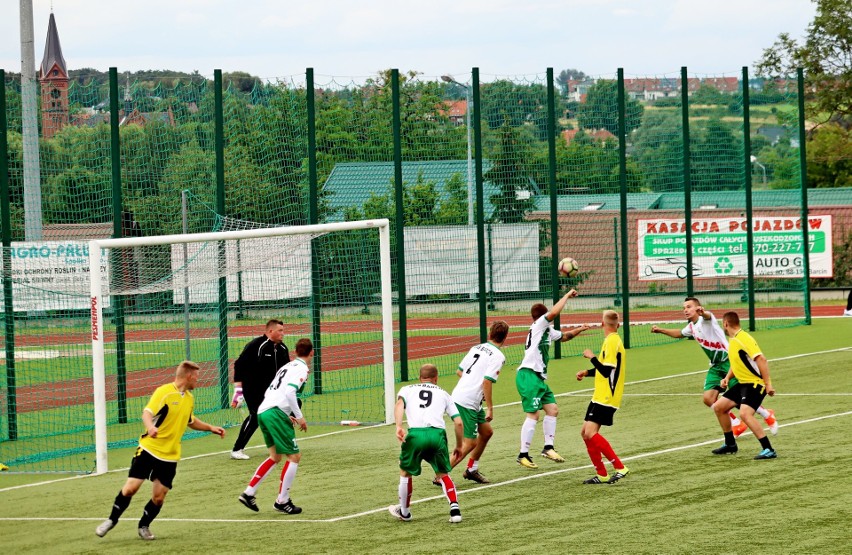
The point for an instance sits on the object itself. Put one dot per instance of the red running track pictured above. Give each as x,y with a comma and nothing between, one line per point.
335,357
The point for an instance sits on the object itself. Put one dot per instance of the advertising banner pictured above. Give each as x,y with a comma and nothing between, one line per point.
719,248
51,275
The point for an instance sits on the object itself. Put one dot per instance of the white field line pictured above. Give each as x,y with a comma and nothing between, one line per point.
776,395
472,490
352,430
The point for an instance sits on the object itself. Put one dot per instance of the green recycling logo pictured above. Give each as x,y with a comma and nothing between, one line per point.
723,265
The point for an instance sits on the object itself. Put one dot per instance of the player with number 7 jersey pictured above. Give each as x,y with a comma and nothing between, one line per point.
478,372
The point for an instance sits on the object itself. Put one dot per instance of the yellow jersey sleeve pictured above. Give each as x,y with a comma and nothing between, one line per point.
158,399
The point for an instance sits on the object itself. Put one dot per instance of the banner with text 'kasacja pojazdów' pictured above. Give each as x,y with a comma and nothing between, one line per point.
719,247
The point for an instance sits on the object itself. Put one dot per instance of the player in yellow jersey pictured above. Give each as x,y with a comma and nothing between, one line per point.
609,369
750,368
165,417
702,326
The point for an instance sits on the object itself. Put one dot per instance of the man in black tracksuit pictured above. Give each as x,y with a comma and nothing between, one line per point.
253,372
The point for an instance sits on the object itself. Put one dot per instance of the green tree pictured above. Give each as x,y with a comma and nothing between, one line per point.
658,150
825,56
191,168
715,157
240,81
509,172
452,210
587,165
830,157
76,175
516,104
600,111
569,75
707,94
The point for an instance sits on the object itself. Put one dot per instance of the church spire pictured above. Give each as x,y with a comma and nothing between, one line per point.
53,58
53,77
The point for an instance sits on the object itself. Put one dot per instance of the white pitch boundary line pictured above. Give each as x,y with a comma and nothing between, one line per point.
518,326
474,489
125,469
776,395
514,403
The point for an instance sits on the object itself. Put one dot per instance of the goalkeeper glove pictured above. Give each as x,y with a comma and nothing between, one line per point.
237,400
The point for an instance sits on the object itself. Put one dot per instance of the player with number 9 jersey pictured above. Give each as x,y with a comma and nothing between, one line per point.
426,404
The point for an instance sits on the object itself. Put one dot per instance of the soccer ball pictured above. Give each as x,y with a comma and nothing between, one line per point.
568,267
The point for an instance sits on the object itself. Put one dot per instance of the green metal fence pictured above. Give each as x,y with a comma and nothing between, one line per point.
488,182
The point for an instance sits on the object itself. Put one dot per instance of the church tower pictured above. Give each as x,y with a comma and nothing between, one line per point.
53,76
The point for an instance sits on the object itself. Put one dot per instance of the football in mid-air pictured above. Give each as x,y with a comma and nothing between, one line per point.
568,267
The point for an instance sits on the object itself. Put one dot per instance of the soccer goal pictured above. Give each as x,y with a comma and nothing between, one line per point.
203,296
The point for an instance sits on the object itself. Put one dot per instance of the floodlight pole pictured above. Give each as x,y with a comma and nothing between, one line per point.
448,79
29,127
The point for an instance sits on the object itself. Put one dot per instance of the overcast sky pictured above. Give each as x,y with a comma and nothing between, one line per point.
354,38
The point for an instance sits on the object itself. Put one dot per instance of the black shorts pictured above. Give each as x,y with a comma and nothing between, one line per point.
146,466
600,414
749,394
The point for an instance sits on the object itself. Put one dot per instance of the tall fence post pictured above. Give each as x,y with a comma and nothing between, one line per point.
803,177
687,178
219,142
400,226
6,232
313,217
117,300
622,178
749,204
480,204
551,177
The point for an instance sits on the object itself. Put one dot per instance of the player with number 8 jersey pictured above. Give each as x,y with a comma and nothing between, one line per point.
278,415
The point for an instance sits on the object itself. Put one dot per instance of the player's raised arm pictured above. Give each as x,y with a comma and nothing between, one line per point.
574,332
560,304
674,334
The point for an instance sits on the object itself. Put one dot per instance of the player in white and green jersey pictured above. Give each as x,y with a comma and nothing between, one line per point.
424,405
532,373
277,415
478,372
702,326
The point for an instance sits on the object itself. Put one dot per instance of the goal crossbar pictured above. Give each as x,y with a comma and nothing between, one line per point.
97,294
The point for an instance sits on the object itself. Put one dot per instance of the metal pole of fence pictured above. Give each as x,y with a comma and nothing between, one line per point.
219,133
687,178
617,300
803,176
622,177
554,224
185,227
313,216
400,226
749,204
480,205
8,307
117,263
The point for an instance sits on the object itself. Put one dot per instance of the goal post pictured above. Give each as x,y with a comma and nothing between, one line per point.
270,269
